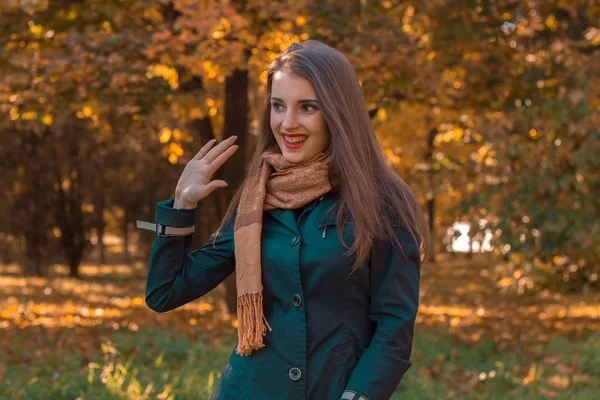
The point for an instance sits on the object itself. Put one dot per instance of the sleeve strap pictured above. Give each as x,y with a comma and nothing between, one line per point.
352,395
163,230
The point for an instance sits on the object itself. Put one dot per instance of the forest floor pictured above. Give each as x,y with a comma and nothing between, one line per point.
94,338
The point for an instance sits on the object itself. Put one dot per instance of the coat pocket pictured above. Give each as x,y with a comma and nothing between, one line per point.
346,357
234,379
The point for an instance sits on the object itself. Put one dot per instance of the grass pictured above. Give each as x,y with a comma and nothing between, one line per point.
148,364
448,369
154,364
94,338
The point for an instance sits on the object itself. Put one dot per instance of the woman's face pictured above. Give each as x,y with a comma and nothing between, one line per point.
296,115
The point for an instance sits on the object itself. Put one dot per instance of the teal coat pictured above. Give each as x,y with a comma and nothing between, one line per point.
334,336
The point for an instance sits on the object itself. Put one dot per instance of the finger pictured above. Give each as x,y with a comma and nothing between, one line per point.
213,185
220,148
220,160
204,149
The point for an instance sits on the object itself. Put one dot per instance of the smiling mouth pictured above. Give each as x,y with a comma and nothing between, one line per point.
294,140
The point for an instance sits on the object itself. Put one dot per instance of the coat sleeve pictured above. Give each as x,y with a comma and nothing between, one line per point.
175,276
394,303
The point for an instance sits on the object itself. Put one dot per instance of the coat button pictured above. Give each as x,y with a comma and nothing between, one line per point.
296,240
297,300
295,374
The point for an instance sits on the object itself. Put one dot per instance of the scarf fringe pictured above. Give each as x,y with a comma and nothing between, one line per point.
252,324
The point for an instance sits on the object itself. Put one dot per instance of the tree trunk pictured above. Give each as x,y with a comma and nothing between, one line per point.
432,197
211,206
234,171
34,242
470,236
69,213
7,255
125,227
32,204
74,260
99,210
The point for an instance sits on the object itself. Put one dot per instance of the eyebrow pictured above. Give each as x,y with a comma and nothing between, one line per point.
299,101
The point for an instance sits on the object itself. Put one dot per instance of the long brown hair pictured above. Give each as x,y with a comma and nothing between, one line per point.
371,193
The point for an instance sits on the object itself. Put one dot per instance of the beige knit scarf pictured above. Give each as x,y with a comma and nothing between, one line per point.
277,184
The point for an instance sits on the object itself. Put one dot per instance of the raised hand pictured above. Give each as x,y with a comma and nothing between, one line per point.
194,183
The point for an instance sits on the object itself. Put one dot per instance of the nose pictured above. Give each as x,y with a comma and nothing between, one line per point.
290,121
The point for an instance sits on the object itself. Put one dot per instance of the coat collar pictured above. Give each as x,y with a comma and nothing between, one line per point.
286,217
321,205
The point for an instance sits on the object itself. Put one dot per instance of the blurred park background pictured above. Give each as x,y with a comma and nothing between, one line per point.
489,109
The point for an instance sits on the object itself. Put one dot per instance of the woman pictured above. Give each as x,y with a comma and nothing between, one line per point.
324,237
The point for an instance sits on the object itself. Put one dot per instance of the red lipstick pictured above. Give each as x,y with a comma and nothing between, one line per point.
293,146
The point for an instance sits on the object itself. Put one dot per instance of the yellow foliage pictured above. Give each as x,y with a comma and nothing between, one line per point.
533,133
138,301
225,23
391,158
551,22
505,282
482,152
532,375
263,77
174,148
106,26
47,120
29,115
87,111
14,113
206,307
211,70
286,41
165,135
177,134
164,71
213,111
195,113
451,134
153,15
35,29
300,21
